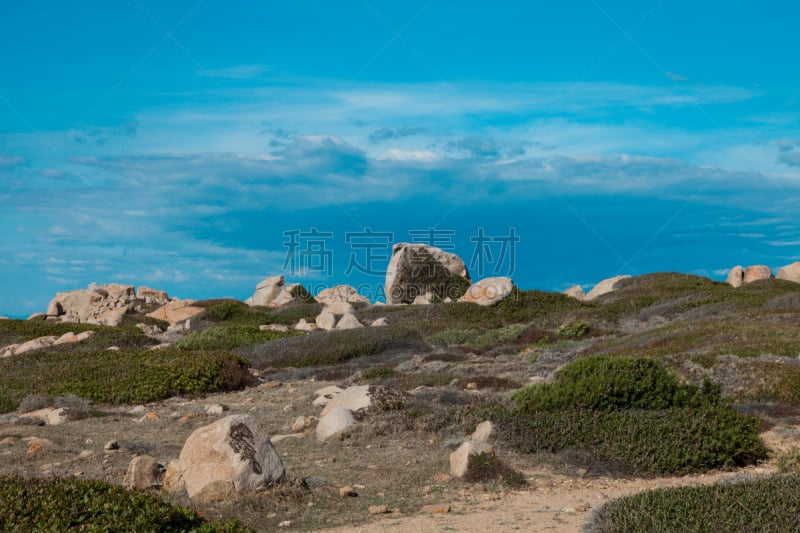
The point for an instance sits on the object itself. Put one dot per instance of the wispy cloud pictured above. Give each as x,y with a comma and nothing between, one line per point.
10,161
237,72
100,135
385,134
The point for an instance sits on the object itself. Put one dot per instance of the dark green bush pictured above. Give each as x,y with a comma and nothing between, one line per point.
232,310
486,467
770,505
605,383
640,442
136,376
228,337
291,314
575,329
332,347
70,505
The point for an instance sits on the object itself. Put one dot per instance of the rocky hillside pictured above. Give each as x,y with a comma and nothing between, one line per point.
308,413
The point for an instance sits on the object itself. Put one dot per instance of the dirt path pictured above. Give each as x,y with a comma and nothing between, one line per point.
558,505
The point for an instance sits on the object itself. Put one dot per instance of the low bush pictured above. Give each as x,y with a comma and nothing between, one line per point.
70,505
232,311
605,383
640,442
487,467
332,347
769,505
575,329
452,336
291,314
228,337
136,376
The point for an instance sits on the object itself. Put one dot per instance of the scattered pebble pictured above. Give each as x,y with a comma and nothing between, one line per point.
347,491
378,509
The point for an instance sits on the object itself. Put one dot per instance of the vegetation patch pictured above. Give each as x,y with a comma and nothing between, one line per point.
765,505
70,505
486,467
228,337
332,347
606,383
135,376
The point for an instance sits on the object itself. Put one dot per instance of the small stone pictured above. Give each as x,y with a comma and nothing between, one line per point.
139,409
216,409
113,349
315,481
471,386
151,416
142,472
347,492
378,509
85,453
285,523
379,322
111,445
299,424
582,507
441,477
436,508
281,328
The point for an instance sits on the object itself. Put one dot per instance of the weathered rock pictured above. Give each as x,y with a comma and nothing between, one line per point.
70,337
90,304
152,296
216,409
302,325
790,272
488,291
281,328
341,293
299,424
34,344
482,432
378,322
111,445
142,472
417,269
111,317
349,321
353,398
423,299
49,415
604,287
339,308
273,292
176,311
361,397
333,423
756,272
736,276
325,320
231,456
347,492
378,509
436,508
459,459
576,291
329,390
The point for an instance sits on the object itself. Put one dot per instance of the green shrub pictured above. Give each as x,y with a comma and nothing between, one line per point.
788,462
528,306
136,376
605,383
228,337
639,442
232,310
486,467
291,314
452,336
377,373
70,505
332,347
769,505
575,329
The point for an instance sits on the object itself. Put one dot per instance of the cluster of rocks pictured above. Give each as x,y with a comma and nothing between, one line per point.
341,407
273,292
43,342
604,287
104,304
738,275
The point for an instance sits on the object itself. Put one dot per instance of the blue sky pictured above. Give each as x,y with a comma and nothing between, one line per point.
180,144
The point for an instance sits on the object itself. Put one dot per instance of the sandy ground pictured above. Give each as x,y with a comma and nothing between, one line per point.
558,505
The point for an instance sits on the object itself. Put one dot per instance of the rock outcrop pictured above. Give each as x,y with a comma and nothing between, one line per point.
152,296
576,291
44,342
232,456
273,292
790,272
604,287
341,293
176,311
417,269
756,272
459,459
105,304
488,291
738,276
